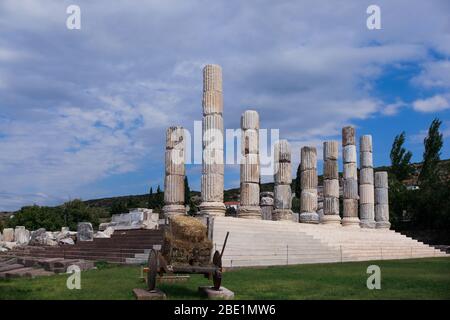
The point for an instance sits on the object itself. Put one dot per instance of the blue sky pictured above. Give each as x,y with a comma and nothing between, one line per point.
83,113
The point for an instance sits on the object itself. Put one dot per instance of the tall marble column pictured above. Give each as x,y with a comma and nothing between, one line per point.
213,164
366,191
308,185
249,207
174,173
350,181
283,178
330,183
382,200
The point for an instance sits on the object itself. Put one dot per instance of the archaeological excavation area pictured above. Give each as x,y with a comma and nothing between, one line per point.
345,219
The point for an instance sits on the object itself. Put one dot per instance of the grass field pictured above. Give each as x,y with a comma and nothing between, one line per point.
401,279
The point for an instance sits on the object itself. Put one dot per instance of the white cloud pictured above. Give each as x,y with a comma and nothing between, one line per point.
435,74
393,108
432,104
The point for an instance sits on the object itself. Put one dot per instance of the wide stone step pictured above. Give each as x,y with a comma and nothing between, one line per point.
10,267
254,243
16,273
105,250
274,262
94,257
269,235
136,261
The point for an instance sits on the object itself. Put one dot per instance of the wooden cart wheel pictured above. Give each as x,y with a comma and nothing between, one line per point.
217,274
153,265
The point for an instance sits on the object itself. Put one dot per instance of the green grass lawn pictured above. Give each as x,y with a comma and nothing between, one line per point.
401,279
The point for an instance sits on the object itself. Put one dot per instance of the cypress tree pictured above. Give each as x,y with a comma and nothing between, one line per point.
400,158
433,144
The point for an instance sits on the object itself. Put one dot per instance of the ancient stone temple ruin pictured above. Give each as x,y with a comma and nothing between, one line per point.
266,231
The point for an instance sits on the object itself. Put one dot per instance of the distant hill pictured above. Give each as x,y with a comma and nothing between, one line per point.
233,194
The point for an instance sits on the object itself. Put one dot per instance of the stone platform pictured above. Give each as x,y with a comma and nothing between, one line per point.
15,267
142,294
213,294
264,243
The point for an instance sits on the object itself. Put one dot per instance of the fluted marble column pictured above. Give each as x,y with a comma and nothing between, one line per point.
366,191
350,181
283,178
330,183
308,185
382,200
249,207
213,164
174,173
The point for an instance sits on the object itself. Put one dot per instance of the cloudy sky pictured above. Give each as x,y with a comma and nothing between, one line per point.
83,112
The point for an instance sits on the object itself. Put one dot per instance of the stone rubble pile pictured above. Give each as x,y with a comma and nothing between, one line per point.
20,236
140,218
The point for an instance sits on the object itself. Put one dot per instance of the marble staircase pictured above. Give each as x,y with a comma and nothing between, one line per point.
265,243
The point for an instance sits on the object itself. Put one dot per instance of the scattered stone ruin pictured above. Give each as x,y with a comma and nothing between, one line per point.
136,219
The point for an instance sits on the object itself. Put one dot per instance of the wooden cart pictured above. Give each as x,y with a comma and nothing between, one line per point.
158,266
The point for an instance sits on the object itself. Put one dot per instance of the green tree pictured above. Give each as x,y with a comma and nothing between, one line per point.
159,199
77,211
132,202
430,202
187,192
150,200
53,218
118,207
35,217
298,189
400,159
433,143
